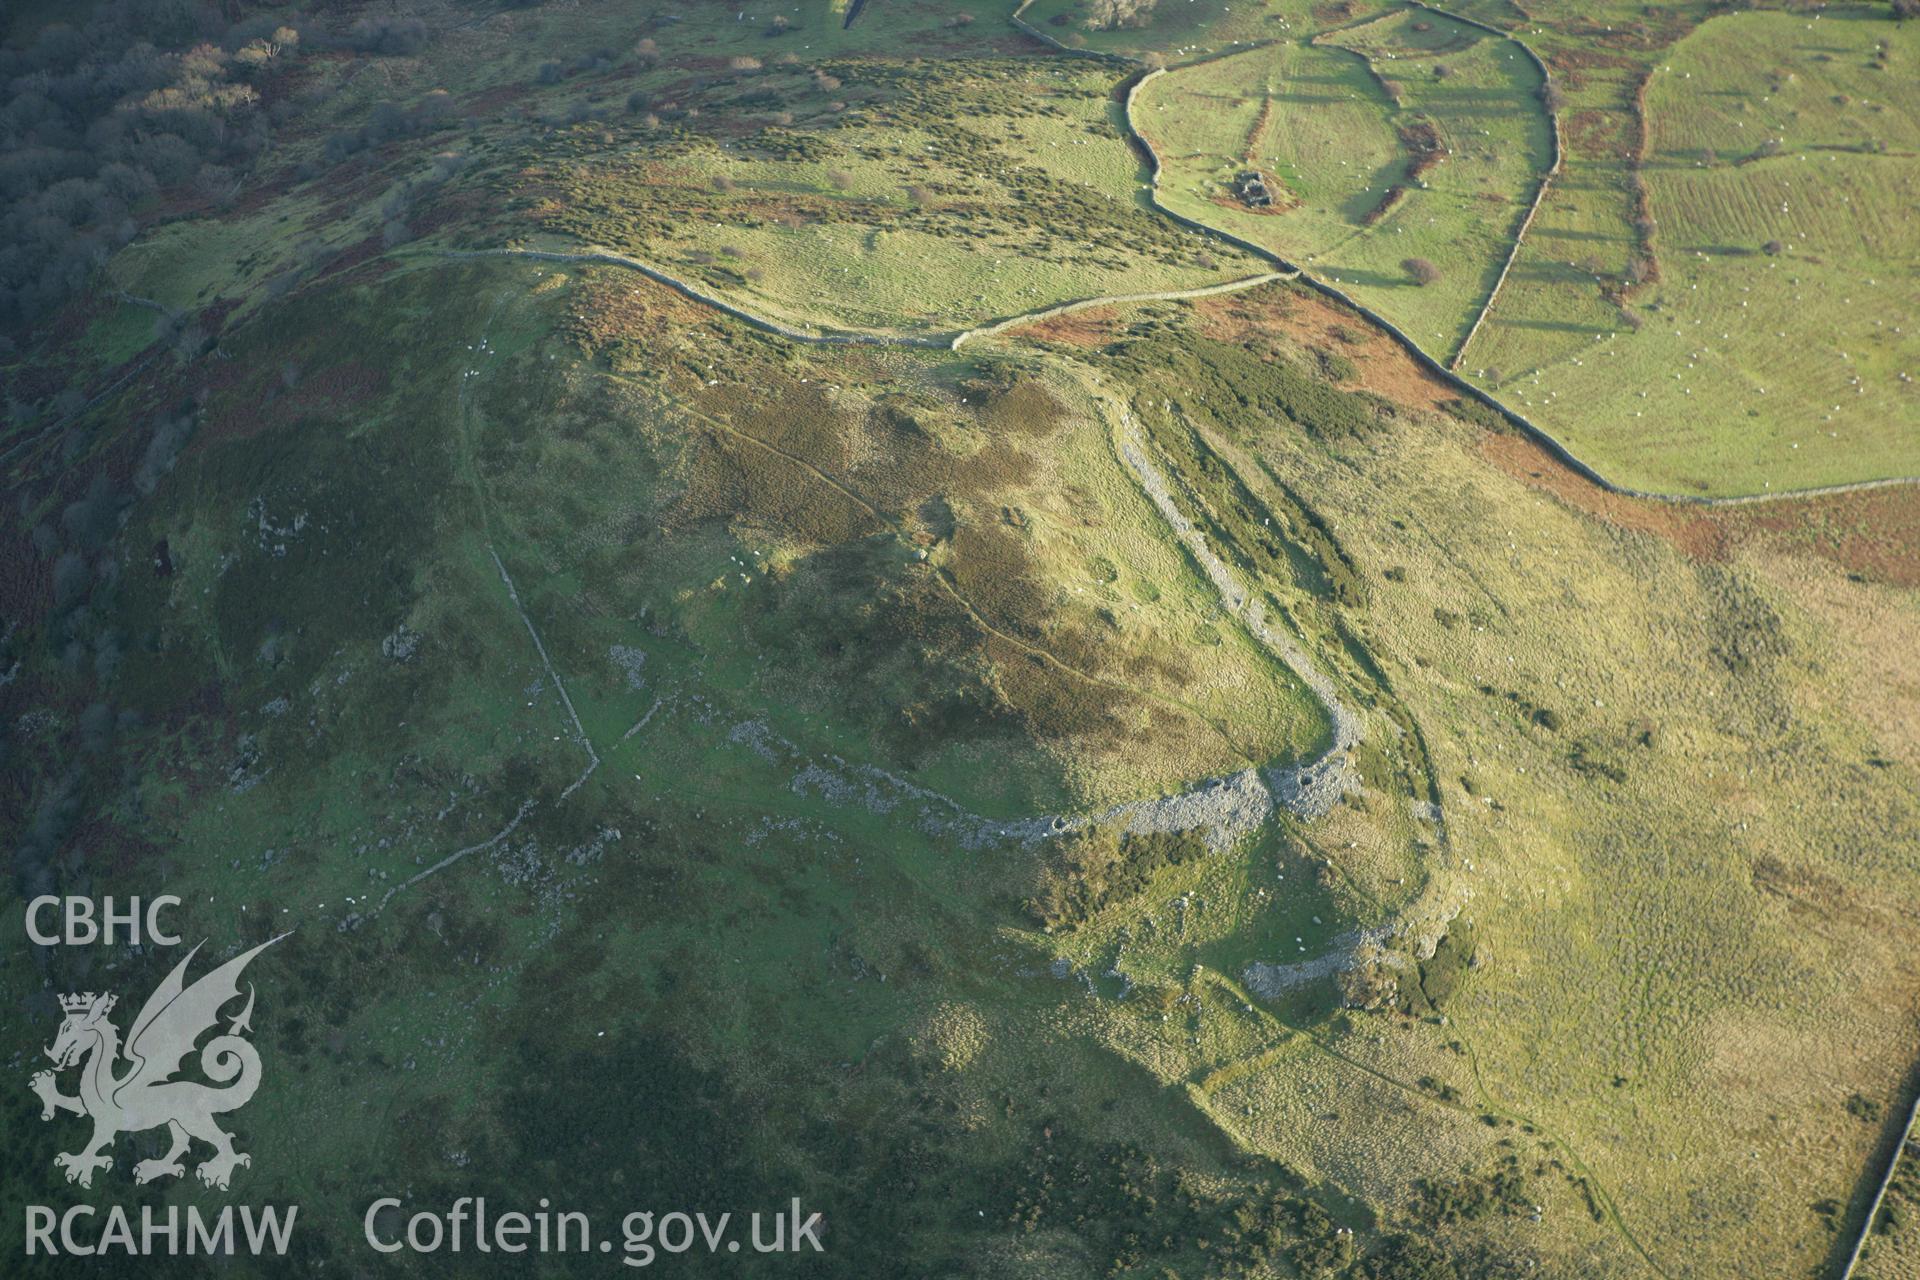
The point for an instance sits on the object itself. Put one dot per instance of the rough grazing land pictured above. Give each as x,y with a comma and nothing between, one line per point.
807,602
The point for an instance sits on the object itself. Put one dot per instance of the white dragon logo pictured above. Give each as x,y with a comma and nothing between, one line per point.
145,1097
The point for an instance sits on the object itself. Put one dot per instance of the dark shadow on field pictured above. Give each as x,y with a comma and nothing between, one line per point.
1579,181
1540,271
1309,99
1346,276
1470,103
1863,13
1582,237
1702,249
1143,158
1498,321
1356,207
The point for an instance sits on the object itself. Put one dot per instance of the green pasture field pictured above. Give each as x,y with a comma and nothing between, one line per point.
1327,140
1565,287
1487,112
1751,372
1560,343
1335,138
623,705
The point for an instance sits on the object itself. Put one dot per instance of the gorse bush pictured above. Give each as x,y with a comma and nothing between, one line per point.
1078,875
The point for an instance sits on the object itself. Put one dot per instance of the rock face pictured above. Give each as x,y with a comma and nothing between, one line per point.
631,662
401,644
1349,951
1222,811
1312,790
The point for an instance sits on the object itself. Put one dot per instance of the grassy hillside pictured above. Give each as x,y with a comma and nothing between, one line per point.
1600,1010
1167,788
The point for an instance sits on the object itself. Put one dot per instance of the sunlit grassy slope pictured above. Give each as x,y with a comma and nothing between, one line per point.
1771,350
624,707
